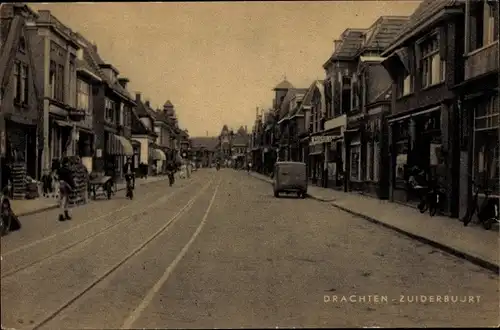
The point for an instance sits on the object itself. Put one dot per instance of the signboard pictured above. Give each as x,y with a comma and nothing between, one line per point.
98,153
322,139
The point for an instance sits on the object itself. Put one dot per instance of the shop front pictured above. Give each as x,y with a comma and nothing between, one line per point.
480,152
316,161
118,149
159,160
270,157
376,150
354,141
416,145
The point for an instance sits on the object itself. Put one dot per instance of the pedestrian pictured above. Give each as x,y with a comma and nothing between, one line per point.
170,172
66,186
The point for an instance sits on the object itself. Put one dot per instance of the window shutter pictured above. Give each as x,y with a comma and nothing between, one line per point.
442,42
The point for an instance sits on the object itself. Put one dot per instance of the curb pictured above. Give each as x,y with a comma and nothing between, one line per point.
44,209
446,248
53,207
443,247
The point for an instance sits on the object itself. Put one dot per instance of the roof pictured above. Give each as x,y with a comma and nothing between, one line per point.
138,126
424,12
240,140
352,39
206,142
168,104
285,84
384,31
88,64
285,105
97,61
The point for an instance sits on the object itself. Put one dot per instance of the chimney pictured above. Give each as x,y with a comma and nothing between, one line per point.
336,44
147,103
123,82
137,96
246,129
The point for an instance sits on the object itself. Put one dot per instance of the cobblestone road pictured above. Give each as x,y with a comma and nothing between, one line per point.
218,250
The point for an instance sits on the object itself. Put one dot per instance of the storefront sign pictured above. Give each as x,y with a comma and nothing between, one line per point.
322,139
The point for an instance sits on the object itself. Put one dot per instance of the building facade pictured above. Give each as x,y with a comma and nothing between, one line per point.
20,96
423,63
56,46
478,102
148,154
370,91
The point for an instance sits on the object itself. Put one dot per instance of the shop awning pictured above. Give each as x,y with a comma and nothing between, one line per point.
63,123
159,155
119,146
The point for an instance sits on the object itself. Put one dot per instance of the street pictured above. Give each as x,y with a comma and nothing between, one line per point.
217,251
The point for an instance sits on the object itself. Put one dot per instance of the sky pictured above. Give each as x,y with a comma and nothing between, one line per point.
218,61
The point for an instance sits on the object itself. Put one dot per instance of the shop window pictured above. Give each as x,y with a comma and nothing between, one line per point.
487,114
433,66
401,152
486,163
355,162
369,161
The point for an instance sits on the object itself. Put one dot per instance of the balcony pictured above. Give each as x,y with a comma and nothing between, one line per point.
482,61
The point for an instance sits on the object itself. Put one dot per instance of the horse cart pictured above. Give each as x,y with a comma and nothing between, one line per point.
102,186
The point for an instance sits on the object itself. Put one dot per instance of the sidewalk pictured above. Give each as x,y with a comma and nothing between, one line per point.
27,207
472,243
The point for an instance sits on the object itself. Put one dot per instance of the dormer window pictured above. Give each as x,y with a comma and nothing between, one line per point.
79,54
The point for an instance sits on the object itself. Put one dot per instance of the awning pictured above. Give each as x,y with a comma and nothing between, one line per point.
159,155
63,123
119,146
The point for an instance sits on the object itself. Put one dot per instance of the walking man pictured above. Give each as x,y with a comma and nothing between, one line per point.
66,186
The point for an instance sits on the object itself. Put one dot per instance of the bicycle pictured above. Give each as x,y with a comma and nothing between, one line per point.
487,212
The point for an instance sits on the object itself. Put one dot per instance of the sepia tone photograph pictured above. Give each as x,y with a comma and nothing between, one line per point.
249,164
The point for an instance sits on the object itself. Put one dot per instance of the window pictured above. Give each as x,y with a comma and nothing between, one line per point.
71,85
405,85
59,83
52,80
376,160
355,162
83,96
369,161
490,31
22,45
109,110
24,88
433,67
16,82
